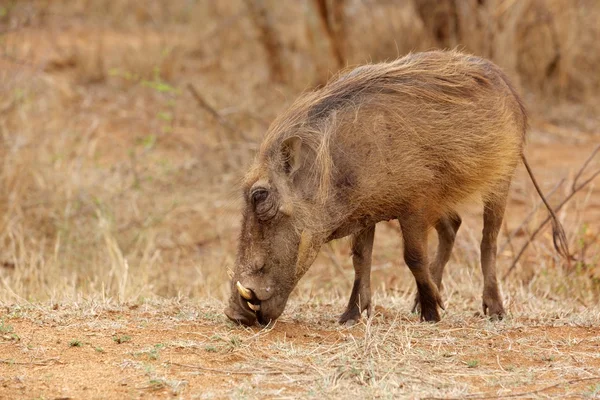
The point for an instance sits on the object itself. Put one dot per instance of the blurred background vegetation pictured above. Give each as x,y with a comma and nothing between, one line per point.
125,127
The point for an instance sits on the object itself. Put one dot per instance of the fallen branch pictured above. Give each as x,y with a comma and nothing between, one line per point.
42,363
575,188
231,372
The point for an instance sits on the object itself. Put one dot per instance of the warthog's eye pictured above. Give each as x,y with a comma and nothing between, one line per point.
259,195
263,203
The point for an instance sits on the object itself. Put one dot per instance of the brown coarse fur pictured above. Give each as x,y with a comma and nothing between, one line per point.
409,140
446,126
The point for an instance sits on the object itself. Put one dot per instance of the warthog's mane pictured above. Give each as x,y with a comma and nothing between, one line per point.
449,79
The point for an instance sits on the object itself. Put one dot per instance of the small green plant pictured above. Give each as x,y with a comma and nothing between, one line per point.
99,350
210,348
154,352
160,86
4,11
148,141
594,391
166,116
472,363
211,316
157,83
119,339
582,233
548,358
156,384
14,337
5,328
75,343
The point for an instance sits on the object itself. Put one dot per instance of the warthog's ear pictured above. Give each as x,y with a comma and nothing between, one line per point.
291,154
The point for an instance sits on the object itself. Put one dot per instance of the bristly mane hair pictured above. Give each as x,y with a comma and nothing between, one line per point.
447,79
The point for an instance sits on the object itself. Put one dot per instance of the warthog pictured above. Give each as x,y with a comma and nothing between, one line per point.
407,140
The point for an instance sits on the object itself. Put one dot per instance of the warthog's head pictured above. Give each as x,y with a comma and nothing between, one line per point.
274,248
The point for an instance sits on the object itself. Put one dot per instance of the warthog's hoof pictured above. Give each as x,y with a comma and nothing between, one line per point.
493,309
353,314
430,315
428,299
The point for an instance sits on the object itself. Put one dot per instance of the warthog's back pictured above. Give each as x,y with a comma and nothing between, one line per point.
433,128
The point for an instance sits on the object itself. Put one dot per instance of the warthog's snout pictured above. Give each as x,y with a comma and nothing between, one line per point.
246,308
239,310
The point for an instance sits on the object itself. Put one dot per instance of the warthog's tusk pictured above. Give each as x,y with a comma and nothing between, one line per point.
245,293
253,307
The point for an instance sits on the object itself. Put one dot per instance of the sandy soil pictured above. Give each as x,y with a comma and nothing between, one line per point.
188,351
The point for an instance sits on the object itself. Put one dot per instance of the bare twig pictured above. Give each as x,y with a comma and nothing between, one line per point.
44,362
234,133
583,167
231,372
574,190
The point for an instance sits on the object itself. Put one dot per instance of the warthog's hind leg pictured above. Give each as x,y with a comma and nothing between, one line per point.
446,227
414,234
493,213
360,298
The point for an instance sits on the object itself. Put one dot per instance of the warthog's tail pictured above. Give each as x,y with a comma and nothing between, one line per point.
559,237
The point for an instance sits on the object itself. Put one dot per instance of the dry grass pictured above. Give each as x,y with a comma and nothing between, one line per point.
119,191
182,349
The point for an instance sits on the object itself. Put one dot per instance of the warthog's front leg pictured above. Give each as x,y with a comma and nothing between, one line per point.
360,298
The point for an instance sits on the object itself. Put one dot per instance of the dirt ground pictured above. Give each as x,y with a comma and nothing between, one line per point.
167,350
